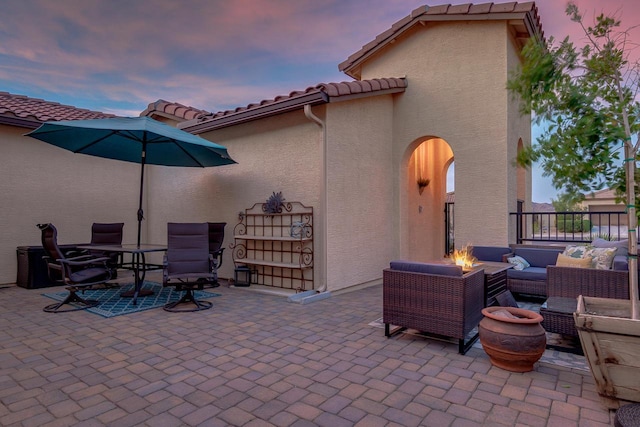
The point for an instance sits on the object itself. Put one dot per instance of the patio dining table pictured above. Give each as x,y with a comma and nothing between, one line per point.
138,262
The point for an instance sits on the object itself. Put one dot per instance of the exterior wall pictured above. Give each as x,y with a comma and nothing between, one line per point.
360,191
456,75
519,132
456,100
281,153
40,183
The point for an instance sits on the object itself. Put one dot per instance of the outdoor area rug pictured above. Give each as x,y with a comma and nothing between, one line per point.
112,304
551,356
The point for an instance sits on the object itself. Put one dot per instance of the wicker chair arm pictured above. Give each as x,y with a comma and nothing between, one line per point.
505,257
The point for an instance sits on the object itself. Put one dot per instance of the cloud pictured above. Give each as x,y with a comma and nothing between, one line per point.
212,54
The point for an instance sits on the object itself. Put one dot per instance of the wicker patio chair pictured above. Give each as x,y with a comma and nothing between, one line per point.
76,273
439,305
108,234
187,264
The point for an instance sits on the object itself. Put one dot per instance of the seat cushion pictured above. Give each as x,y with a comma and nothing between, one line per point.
539,257
531,273
92,274
490,253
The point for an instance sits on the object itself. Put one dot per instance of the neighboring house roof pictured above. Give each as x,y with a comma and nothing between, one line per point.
522,17
607,193
172,110
20,110
314,95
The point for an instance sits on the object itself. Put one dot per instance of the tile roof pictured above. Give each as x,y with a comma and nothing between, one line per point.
606,193
522,17
20,110
172,110
313,95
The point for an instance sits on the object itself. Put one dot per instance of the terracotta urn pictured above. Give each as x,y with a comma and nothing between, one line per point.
513,338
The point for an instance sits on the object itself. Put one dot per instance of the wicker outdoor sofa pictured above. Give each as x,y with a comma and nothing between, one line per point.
569,282
533,280
435,299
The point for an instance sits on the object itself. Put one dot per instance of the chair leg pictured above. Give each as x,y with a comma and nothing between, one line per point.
388,332
73,298
463,346
188,298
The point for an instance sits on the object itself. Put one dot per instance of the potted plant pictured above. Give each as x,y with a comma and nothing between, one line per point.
512,337
587,99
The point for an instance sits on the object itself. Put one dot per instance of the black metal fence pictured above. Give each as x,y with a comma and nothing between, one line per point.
576,227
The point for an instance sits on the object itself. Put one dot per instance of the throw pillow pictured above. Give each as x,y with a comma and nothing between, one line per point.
602,257
577,251
622,245
568,261
518,262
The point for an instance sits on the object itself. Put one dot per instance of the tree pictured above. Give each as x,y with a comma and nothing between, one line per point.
586,99
568,202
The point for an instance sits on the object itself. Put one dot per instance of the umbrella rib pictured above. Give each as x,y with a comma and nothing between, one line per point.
84,147
196,161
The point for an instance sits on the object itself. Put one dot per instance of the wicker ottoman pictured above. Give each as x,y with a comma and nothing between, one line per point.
557,313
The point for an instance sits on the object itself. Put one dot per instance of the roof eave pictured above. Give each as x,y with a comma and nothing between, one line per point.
198,126
20,122
352,66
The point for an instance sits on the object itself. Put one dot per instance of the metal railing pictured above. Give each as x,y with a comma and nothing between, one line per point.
579,227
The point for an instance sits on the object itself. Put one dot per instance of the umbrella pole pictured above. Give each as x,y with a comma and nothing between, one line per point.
140,211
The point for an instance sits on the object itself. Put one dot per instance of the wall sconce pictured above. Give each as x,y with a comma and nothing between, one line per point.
422,183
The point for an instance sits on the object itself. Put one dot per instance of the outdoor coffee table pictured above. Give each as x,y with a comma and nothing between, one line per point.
138,263
495,279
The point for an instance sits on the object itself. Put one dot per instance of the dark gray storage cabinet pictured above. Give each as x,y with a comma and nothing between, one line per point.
32,269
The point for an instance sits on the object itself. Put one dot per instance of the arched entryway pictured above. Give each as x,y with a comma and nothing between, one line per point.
426,189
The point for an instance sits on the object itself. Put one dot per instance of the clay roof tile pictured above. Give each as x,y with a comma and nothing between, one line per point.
24,111
321,93
480,8
438,10
503,7
178,111
459,9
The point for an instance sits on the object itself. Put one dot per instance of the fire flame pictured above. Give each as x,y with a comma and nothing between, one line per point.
464,257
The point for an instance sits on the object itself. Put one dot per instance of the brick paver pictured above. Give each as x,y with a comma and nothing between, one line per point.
256,360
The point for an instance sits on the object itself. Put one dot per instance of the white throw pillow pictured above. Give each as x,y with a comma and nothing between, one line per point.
518,262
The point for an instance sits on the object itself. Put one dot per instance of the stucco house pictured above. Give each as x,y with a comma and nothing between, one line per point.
426,92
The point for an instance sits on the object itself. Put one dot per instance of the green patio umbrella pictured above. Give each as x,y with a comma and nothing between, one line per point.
133,139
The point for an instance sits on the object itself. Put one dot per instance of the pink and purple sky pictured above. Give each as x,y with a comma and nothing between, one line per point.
117,56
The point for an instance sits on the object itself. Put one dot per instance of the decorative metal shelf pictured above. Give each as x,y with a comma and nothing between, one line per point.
272,238
270,263
278,246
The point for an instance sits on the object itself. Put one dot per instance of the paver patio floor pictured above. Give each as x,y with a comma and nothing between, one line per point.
258,360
